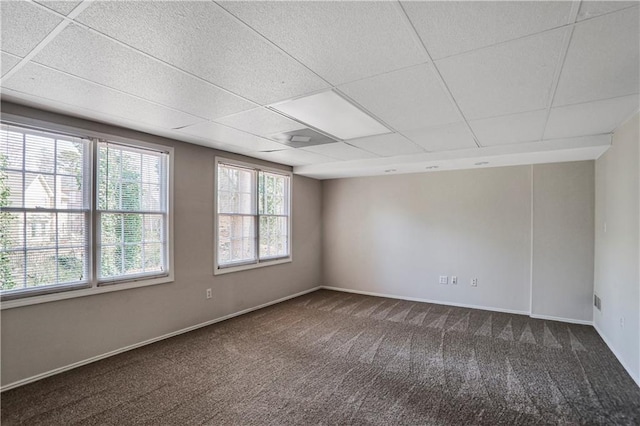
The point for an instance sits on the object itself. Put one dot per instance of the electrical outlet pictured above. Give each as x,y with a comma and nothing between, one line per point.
209,293
621,322
444,279
454,280
474,282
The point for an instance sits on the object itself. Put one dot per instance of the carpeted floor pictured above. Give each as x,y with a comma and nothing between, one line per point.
336,358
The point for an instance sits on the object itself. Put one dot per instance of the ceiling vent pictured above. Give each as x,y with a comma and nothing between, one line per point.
302,138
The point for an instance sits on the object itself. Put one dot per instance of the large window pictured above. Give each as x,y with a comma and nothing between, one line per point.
253,216
79,213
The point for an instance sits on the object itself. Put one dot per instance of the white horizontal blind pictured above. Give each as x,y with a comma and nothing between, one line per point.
274,215
237,239
45,208
132,212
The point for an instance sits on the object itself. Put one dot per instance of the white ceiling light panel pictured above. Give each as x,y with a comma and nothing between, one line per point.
332,114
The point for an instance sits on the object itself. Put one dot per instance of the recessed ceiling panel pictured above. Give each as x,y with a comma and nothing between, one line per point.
94,57
451,27
505,79
205,40
389,145
260,121
590,118
406,99
340,40
341,151
8,62
443,138
63,7
590,9
508,129
214,131
332,114
602,60
48,84
24,25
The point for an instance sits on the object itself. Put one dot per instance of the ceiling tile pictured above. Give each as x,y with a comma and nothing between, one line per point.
389,145
341,41
201,38
443,138
406,99
63,7
602,60
94,57
8,62
340,151
450,27
505,79
292,157
508,129
590,9
260,121
227,135
590,118
46,83
24,25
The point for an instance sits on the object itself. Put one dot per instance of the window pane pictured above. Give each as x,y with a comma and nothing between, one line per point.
39,153
41,268
273,189
111,264
12,230
153,257
71,229
153,231
129,179
236,239
236,190
41,230
11,270
274,239
71,264
11,149
10,188
39,191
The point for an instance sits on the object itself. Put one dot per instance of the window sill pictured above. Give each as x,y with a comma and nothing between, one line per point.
72,294
221,271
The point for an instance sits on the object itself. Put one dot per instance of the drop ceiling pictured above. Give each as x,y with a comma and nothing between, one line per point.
455,83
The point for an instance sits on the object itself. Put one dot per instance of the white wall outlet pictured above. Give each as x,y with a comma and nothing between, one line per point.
454,280
474,282
621,322
444,279
209,293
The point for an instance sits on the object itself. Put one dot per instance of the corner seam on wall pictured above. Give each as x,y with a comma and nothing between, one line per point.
531,247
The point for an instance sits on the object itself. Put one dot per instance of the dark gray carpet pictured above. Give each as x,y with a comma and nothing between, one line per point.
335,358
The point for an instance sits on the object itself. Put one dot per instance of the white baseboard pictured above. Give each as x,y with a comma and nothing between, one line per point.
615,352
561,319
417,299
146,342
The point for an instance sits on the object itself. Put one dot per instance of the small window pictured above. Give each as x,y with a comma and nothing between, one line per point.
253,216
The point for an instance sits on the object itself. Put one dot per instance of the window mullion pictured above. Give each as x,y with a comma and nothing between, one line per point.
94,215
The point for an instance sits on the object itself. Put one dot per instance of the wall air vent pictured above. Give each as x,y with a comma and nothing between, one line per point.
302,138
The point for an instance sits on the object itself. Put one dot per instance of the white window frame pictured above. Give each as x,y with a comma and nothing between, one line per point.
94,285
225,269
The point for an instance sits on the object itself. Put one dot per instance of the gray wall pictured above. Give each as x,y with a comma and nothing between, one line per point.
39,338
563,238
617,278
396,234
